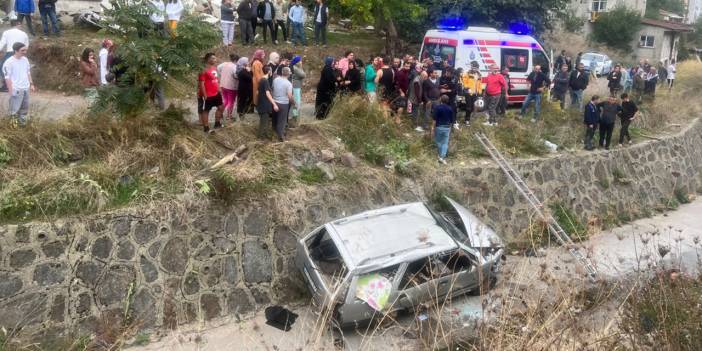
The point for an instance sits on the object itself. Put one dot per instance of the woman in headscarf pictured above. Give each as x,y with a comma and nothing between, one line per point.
298,75
257,70
245,92
274,64
326,89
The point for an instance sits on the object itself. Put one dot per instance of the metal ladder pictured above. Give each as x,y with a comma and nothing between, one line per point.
553,227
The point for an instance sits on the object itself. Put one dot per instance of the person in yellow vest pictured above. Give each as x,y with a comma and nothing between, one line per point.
472,88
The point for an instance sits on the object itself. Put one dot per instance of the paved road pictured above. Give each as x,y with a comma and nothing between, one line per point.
616,253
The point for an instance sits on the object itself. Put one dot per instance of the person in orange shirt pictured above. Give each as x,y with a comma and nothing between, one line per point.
257,69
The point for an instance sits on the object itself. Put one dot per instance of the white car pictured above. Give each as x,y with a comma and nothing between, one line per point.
602,63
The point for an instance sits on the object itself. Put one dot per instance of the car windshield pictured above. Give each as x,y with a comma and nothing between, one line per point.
593,57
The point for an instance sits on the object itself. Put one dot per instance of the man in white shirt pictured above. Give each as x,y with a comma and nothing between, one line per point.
18,80
9,38
104,53
283,97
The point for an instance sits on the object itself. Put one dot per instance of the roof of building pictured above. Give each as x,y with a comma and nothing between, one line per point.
678,27
389,235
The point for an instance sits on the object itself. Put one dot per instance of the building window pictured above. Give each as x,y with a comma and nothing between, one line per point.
599,5
646,41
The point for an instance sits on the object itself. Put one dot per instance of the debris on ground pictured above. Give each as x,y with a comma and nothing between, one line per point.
280,317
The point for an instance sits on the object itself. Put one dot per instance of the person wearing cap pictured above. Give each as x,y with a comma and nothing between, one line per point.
298,75
494,85
102,55
472,88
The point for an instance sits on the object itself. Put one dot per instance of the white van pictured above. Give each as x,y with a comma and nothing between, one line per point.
487,46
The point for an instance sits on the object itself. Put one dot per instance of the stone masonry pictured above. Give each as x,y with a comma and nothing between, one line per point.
169,266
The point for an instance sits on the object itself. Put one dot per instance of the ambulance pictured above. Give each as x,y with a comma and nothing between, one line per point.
457,48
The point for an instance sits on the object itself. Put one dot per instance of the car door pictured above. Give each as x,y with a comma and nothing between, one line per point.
414,286
459,274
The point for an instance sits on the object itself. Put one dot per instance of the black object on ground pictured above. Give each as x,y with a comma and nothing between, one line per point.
280,317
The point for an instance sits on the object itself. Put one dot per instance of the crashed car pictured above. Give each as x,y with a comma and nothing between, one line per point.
396,258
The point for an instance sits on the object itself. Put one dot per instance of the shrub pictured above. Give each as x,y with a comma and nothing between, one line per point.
665,313
569,221
617,27
572,22
5,155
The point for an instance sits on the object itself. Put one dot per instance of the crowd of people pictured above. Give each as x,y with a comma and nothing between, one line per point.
290,17
430,93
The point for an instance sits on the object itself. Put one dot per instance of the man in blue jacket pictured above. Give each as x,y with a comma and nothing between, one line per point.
592,118
25,9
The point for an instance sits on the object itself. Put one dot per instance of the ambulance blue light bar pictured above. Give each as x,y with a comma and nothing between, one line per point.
451,23
520,28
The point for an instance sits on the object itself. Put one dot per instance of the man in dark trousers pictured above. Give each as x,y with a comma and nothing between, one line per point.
578,83
321,17
609,110
615,80
627,115
245,22
591,119
266,12
538,81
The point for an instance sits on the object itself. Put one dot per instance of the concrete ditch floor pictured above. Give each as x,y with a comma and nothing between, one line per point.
620,252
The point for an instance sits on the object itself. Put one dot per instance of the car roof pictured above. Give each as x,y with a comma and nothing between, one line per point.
388,236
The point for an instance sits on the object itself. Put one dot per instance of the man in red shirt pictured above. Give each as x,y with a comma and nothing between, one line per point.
208,96
495,85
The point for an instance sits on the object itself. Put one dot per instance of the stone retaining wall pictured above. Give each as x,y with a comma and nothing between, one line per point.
169,266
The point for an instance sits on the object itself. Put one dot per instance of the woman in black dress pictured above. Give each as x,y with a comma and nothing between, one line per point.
243,101
326,89
353,78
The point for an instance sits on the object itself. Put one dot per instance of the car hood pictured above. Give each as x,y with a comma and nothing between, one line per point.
479,234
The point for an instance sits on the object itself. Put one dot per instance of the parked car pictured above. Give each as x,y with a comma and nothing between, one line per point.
602,63
395,258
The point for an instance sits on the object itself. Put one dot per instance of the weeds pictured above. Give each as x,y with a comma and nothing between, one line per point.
682,196
5,155
665,313
570,223
311,175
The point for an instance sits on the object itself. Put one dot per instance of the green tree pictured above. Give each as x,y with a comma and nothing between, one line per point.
653,7
149,56
617,28
385,14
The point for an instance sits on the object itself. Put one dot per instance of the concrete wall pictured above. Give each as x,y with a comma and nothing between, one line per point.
178,265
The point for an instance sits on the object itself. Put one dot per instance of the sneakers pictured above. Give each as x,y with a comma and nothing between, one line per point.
467,123
288,41
419,130
456,126
275,42
442,161
487,123
218,125
630,142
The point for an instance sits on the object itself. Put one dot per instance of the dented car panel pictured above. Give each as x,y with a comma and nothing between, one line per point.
411,253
